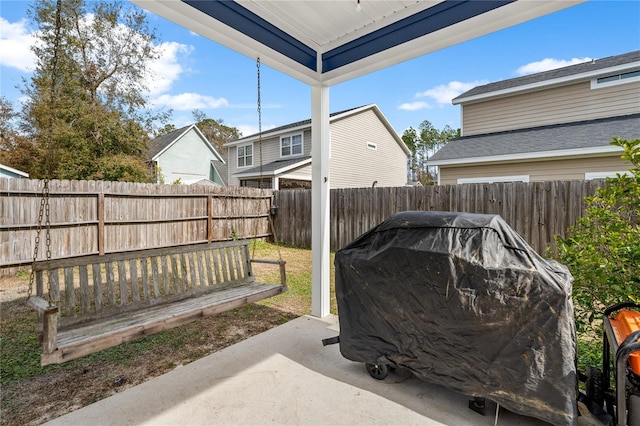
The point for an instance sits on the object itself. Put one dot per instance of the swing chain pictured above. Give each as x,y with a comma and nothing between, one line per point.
44,201
259,101
44,211
259,121
271,224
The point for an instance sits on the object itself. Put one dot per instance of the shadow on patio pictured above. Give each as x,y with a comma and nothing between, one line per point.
285,376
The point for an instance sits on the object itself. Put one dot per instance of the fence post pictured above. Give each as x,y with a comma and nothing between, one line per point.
101,231
209,217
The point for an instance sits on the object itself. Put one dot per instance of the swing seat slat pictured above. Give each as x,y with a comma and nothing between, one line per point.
124,296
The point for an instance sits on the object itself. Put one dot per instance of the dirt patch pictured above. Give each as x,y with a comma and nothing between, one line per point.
49,392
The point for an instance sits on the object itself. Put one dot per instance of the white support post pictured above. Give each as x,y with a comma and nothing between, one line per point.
320,161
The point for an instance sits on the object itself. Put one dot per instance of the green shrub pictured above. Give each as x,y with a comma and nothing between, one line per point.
602,250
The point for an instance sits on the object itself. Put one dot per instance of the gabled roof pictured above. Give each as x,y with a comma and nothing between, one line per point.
276,167
590,137
573,73
306,124
222,169
285,128
160,144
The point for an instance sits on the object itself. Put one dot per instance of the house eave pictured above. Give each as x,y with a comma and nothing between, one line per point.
275,172
562,81
529,156
351,112
15,171
267,135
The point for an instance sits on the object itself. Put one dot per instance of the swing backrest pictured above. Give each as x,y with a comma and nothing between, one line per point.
93,286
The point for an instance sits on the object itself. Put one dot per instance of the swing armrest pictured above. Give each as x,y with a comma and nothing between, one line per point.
41,305
283,274
48,326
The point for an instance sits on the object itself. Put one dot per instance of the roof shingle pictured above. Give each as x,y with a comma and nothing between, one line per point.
568,136
585,67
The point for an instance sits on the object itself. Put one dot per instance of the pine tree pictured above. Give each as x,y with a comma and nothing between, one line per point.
87,112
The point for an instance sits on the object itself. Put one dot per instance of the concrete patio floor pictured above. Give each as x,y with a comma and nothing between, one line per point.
285,377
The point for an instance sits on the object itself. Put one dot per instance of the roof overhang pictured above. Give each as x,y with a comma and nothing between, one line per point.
328,41
14,171
275,172
530,156
285,130
585,76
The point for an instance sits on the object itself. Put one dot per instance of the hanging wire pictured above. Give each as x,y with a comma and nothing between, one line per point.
259,120
45,210
271,225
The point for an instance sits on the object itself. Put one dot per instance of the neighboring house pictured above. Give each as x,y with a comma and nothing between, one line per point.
11,173
365,151
186,156
553,125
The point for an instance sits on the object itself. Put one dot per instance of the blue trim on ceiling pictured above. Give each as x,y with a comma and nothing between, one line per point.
238,17
440,16
422,23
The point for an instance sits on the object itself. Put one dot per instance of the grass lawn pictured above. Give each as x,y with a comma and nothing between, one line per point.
31,394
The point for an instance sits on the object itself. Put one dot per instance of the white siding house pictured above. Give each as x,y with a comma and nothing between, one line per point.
365,151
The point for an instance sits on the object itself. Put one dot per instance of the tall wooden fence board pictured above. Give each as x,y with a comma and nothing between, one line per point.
537,210
88,217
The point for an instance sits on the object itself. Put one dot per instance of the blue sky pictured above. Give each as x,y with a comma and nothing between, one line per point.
196,73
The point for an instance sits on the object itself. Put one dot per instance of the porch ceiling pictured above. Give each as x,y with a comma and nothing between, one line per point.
330,41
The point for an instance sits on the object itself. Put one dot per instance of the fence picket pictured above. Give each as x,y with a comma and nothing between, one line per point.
137,216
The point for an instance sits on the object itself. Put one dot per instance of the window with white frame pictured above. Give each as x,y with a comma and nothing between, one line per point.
603,175
291,145
494,179
610,80
245,155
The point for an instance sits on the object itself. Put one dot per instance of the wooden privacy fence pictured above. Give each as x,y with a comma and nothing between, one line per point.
536,210
96,217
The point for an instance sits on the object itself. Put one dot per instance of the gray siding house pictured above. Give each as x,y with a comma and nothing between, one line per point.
186,156
365,151
553,125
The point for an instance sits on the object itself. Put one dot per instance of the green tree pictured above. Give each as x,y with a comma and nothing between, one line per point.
423,144
86,107
215,131
602,249
412,141
167,128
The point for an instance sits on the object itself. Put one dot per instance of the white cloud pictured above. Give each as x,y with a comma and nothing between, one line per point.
444,93
250,129
549,64
189,101
247,129
15,45
168,68
414,106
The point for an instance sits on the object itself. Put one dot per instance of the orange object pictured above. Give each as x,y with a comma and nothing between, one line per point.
625,323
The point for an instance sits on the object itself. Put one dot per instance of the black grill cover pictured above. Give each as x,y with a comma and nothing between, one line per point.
462,301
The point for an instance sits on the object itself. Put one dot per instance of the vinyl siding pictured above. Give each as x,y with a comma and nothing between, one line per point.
353,165
188,159
575,102
559,169
303,172
270,153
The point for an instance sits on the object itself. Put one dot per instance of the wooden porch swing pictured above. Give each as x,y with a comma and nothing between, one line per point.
89,303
